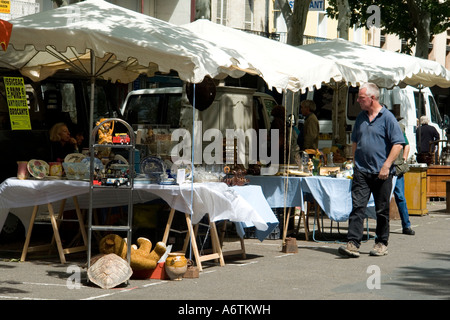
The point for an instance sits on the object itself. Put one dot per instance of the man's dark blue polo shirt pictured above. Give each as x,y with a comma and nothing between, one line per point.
375,140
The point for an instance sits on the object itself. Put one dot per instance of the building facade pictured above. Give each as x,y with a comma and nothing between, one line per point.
14,9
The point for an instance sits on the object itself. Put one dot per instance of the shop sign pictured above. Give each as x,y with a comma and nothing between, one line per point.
17,103
315,5
5,6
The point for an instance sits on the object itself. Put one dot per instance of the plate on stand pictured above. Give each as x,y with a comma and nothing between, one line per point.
38,168
152,166
74,157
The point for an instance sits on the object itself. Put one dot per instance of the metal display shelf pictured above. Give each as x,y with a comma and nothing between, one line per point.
128,187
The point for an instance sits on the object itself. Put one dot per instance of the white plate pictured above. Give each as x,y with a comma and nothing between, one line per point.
97,162
152,165
74,157
120,158
38,168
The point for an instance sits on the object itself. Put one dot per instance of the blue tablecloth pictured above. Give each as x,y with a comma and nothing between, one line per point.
254,196
275,188
333,195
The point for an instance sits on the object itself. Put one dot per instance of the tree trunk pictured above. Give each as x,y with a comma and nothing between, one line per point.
295,21
343,18
423,35
295,36
286,11
421,20
60,3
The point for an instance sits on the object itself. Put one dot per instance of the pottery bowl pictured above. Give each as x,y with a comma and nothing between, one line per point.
76,170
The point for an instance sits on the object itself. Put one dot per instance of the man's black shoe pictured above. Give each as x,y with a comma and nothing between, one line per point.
409,231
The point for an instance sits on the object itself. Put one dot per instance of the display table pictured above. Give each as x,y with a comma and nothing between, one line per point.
329,195
333,195
220,202
283,192
416,190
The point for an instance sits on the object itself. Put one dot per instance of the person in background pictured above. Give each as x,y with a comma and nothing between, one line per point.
292,133
62,143
424,135
309,137
401,167
79,137
279,123
376,142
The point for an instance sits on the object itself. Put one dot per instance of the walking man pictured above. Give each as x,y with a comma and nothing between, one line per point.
376,143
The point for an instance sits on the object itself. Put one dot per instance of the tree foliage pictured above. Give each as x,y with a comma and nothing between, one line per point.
405,18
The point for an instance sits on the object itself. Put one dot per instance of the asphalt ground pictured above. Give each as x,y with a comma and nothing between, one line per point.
416,268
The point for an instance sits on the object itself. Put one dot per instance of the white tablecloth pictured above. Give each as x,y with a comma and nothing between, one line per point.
216,199
253,195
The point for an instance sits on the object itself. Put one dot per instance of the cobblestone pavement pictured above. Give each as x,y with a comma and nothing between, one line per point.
416,268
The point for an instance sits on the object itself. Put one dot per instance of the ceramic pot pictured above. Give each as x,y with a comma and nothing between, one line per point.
56,169
22,170
176,266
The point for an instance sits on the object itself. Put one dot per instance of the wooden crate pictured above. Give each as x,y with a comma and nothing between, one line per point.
436,177
416,191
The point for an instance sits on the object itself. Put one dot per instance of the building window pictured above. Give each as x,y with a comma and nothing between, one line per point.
447,47
221,16
322,25
248,23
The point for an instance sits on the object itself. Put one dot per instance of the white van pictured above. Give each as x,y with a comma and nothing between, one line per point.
165,106
401,101
409,103
232,108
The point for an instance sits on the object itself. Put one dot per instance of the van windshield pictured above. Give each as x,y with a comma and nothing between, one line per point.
420,104
154,109
143,109
435,115
353,107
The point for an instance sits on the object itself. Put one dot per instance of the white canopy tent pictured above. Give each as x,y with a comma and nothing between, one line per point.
282,66
362,63
131,42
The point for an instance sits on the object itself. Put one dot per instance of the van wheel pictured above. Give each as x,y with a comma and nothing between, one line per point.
13,229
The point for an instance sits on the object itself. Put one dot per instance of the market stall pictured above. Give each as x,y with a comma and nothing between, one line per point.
215,199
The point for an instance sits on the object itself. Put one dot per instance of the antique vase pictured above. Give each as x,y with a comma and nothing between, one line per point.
176,266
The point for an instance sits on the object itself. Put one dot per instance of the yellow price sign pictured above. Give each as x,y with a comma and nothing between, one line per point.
5,6
17,103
